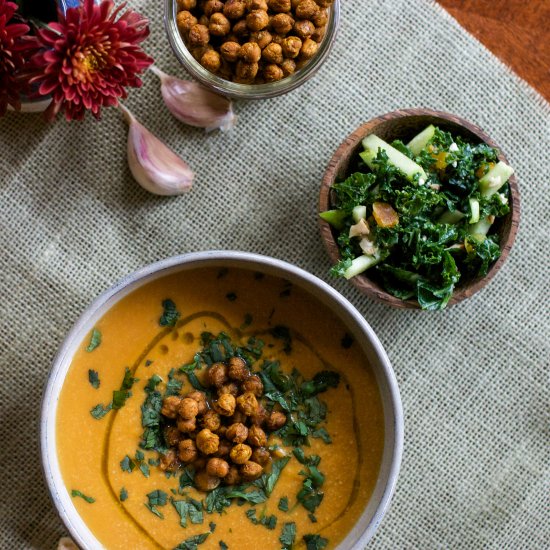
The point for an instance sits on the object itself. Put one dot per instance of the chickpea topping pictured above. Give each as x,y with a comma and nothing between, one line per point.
251,53
170,406
185,20
256,437
251,471
240,453
309,48
279,6
252,5
187,451
211,420
238,417
254,385
260,417
216,375
275,421
171,436
223,449
233,477
212,6
291,46
219,25
186,4
273,53
230,51
246,71
262,38
198,35
207,442
188,408
261,456
217,467
304,28
169,461
200,398
320,19
257,20
187,425
225,405
205,482
306,9
237,433
234,9
282,23
323,3
288,66
238,369
318,34
247,403
240,28
204,20
231,388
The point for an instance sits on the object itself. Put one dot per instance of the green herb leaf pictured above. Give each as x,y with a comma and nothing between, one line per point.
170,314
193,542
77,493
93,378
315,542
268,480
283,504
99,411
322,434
157,498
223,546
154,510
123,494
120,396
127,464
95,340
288,535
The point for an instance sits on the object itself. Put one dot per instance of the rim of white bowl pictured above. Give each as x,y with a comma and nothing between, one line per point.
393,411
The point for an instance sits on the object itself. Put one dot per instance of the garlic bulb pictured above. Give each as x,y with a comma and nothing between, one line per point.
194,104
154,166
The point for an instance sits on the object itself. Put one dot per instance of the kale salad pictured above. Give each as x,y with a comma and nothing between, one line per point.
419,216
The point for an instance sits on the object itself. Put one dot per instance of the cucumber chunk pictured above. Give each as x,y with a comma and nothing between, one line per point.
403,163
481,227
361,263
359,213
451,217
495,178
474,208
334,217
421,140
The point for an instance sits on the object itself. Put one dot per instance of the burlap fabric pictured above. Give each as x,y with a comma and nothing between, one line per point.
474,379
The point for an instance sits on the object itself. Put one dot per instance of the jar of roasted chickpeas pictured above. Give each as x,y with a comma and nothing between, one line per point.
252,49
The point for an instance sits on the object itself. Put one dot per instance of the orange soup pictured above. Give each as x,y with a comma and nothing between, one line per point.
122,446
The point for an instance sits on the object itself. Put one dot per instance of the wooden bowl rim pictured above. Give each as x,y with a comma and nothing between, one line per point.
347,148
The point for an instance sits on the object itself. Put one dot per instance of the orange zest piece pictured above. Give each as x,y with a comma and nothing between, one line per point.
384,214
483,169
440,160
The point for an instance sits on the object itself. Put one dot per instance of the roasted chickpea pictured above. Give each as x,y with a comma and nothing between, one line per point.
261,456
238,370
247,403
240,453
254,385
216,375
207,442
205,482
238,417
318,34
277,39
246,72
237,433
309,49
282,23
211,7
169,461
304,28
225,405
260,417
234,9
251,53
262,38
204,20
200,398
306,9
217,467
288,66
273,53
199,464
279,6
186,4
230,52
223,449
275,421
233,477
221,431
188,408
320,19
251,471
219,25
257,20
211,420
185,20
171,436
256,437
291,46
187,451
256,5
240,29
187,425
170,406
324,3
231,388
198,35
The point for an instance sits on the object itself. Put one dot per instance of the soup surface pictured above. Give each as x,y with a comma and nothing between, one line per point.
326,469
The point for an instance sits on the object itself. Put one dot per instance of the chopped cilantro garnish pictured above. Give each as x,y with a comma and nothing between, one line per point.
283,504
267,521
123,494
99,411
173,385
315,542
77,493
148,363
188,508
170,314
127,464
212,526
247,321
268,480
322,434
192,542
156,498
283,333
288,535
95,340
120,395
93,378
223,546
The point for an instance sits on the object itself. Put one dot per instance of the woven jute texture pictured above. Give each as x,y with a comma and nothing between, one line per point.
474,379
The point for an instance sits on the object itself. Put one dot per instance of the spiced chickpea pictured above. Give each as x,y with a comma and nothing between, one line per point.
205,482
170,406
238,417
261,456
199,464
319,34
291,46
279,6
207,442
234,9
217,467
216,375
306,9
230,388
324,3
304,28
200,398
237,433
211,420
246,72
211,7
204,20
260,416
188,408
277,39
247,403
171,436
288,66
256,5
169,461
256,437
251,53
198,35
254,385
262,38
224,449
309,49
187,425
240,453
226,70
230,52
225,405
185,20
273,53
186,4
233,477
219,24
275,421
240,29
238,369
320,19
294,3
187,451
282,23
257,20
251,471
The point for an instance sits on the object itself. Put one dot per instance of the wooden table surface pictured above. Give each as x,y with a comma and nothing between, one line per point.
516,31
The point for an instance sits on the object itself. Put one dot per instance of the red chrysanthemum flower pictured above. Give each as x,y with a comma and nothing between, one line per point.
89,58
14,47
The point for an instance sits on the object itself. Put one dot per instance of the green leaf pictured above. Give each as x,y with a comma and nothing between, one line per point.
193,542
315,542
170,314
223,546
95,340
123,494
268,480
77,493
174,385
321,433
288,535
121,395
93,378
283,504
157,498
154,510
99,411
127,464
321,382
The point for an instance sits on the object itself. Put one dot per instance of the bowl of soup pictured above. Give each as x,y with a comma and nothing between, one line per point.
221,400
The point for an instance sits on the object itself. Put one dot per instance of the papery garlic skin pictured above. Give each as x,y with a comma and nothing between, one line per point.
153,164
193,104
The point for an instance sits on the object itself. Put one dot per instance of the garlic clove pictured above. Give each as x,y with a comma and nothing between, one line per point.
194,104
154,166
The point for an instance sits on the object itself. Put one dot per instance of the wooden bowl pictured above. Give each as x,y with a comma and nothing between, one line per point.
404,125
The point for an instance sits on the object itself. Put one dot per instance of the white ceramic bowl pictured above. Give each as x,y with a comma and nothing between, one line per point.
350,317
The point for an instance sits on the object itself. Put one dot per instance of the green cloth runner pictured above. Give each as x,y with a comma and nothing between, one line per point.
474,379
